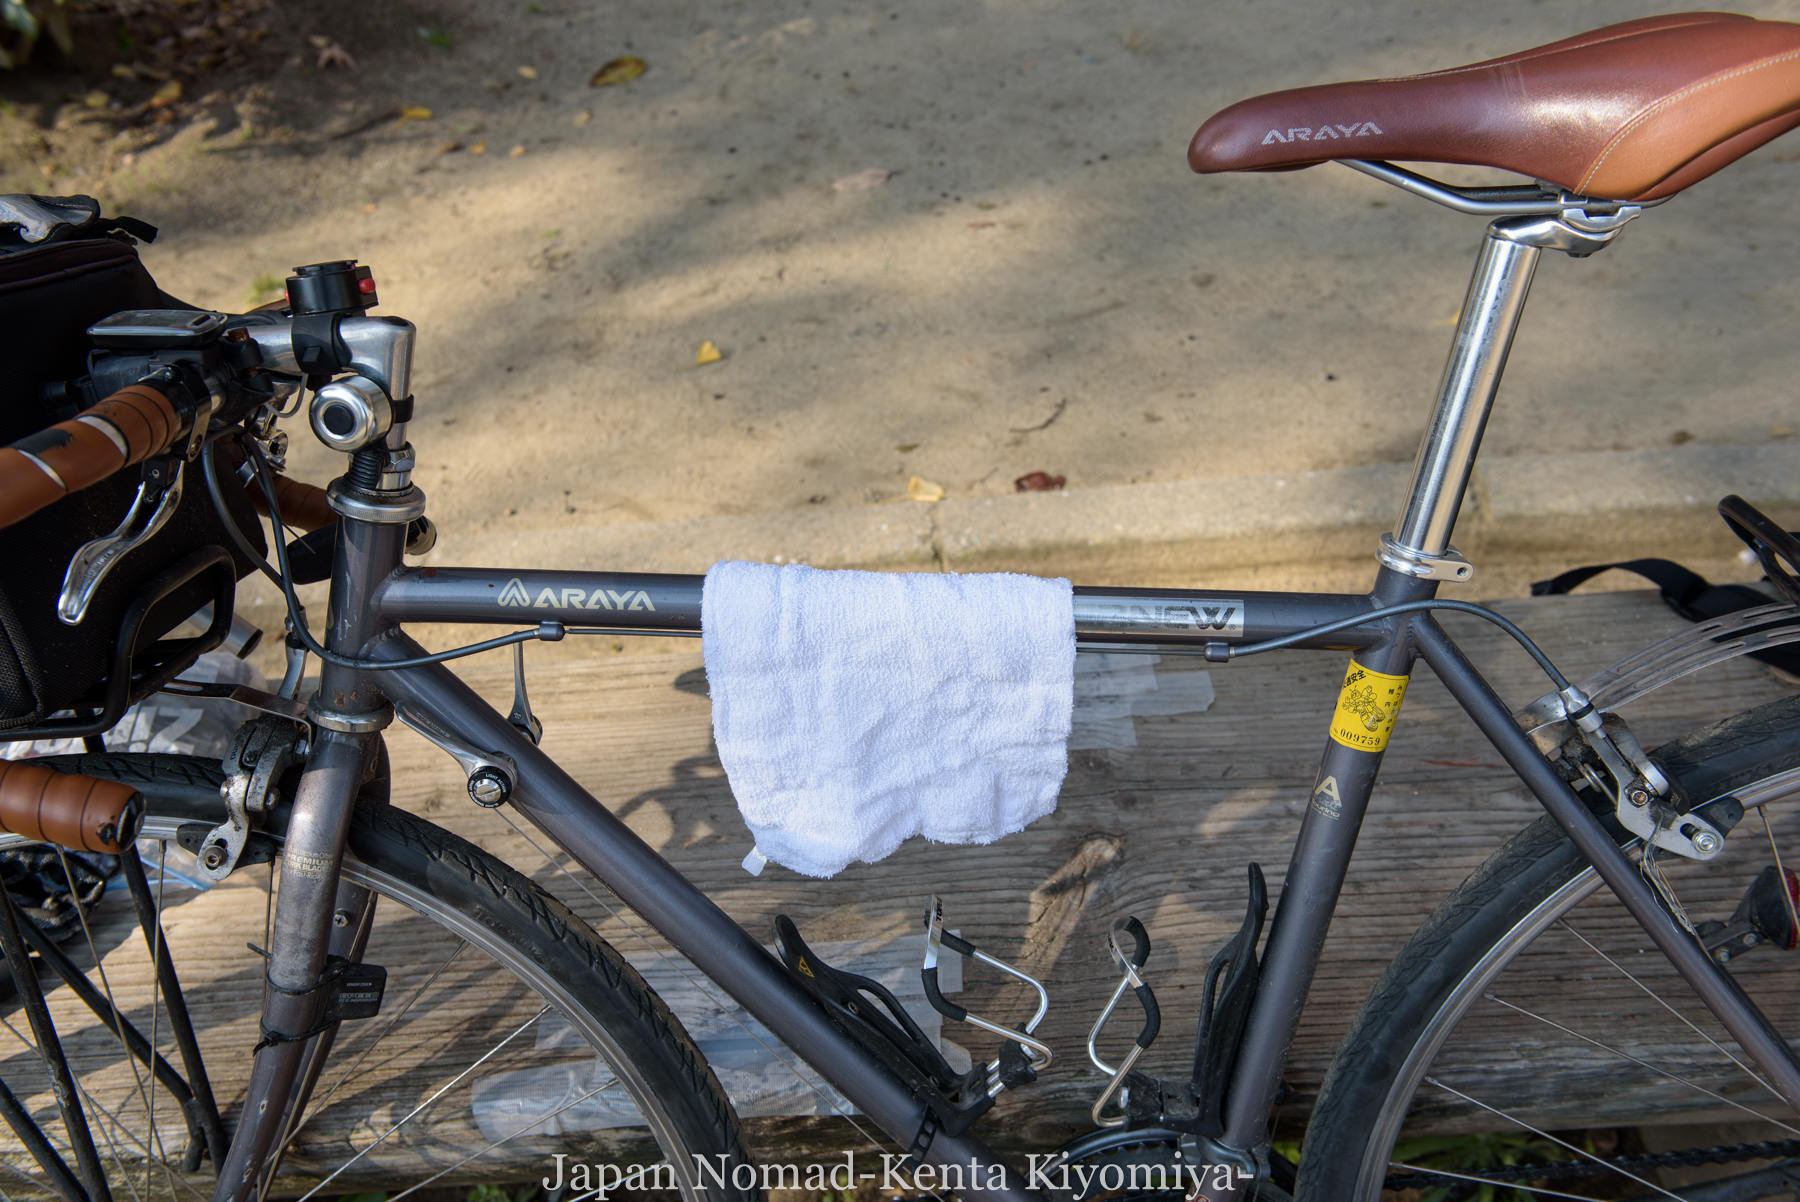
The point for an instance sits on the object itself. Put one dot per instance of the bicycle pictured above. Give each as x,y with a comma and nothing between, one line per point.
303,788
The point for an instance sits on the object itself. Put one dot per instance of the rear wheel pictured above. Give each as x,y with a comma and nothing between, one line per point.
512,1044
1530,1006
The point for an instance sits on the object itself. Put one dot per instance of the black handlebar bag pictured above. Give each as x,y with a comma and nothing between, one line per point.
62,268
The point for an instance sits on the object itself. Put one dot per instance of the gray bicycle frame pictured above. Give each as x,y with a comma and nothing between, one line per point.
373,595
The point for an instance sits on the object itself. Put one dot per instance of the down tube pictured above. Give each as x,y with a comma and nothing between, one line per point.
705,934
1716,988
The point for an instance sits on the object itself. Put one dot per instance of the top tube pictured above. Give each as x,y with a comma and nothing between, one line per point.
668,604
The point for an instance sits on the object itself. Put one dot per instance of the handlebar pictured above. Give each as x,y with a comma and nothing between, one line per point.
127,427
324,332
303,506
82,812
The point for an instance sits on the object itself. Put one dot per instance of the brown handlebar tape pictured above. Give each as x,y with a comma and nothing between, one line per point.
303,506
76,811
24,487
143,415
69,456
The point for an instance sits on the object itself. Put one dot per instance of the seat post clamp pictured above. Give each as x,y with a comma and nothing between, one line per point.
1449,565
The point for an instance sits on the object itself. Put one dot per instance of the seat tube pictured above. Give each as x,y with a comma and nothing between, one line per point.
1484,334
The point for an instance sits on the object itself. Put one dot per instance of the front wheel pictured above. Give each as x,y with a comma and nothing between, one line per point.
1530,1041
512,1044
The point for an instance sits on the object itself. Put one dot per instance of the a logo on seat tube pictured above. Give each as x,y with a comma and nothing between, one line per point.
514,594
1327,800
1322,133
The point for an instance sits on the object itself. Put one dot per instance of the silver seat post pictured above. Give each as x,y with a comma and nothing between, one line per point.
1420,545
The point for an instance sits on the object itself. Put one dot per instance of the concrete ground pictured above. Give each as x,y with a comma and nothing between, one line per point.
959,242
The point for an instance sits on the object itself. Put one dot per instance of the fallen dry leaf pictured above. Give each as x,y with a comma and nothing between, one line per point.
620,70
333,55
1038,482
478,148
166,95
527,72
920,489
447,147
415,112
708,353
96,99
981,225
516,151
863,181
582,118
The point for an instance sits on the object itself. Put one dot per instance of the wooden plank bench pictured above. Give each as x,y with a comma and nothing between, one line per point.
1161,830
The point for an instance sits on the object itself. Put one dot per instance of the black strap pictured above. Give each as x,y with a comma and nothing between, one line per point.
1687,593
34,220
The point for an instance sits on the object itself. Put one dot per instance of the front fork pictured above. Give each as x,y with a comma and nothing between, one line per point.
306,931
317,916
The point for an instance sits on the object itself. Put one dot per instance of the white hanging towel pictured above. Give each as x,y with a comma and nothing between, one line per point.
853,710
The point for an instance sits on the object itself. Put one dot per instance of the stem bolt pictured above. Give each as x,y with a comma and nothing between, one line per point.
1706,843
1638,796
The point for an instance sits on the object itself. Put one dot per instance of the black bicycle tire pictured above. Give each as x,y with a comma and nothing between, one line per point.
1405,1007
387,844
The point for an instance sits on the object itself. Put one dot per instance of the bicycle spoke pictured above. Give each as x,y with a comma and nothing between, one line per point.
132,1040
426,1104
1490,1182
91,1106
1640,1062
1787,895
401,1105
107,1122
49,1048
160,1153
155,1019
38,1144
123,1128
1658,999
419,1185
1545,1135
117,1123
375,1041
168,985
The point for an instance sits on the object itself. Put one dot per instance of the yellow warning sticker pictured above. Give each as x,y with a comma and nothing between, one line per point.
1366,708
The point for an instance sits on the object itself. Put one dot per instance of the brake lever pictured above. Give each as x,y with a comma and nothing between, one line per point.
155,503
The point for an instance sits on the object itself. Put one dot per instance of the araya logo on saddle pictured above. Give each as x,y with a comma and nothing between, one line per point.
1324,133
515,595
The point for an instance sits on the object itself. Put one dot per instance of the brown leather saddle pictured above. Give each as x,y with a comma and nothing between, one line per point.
1631,112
